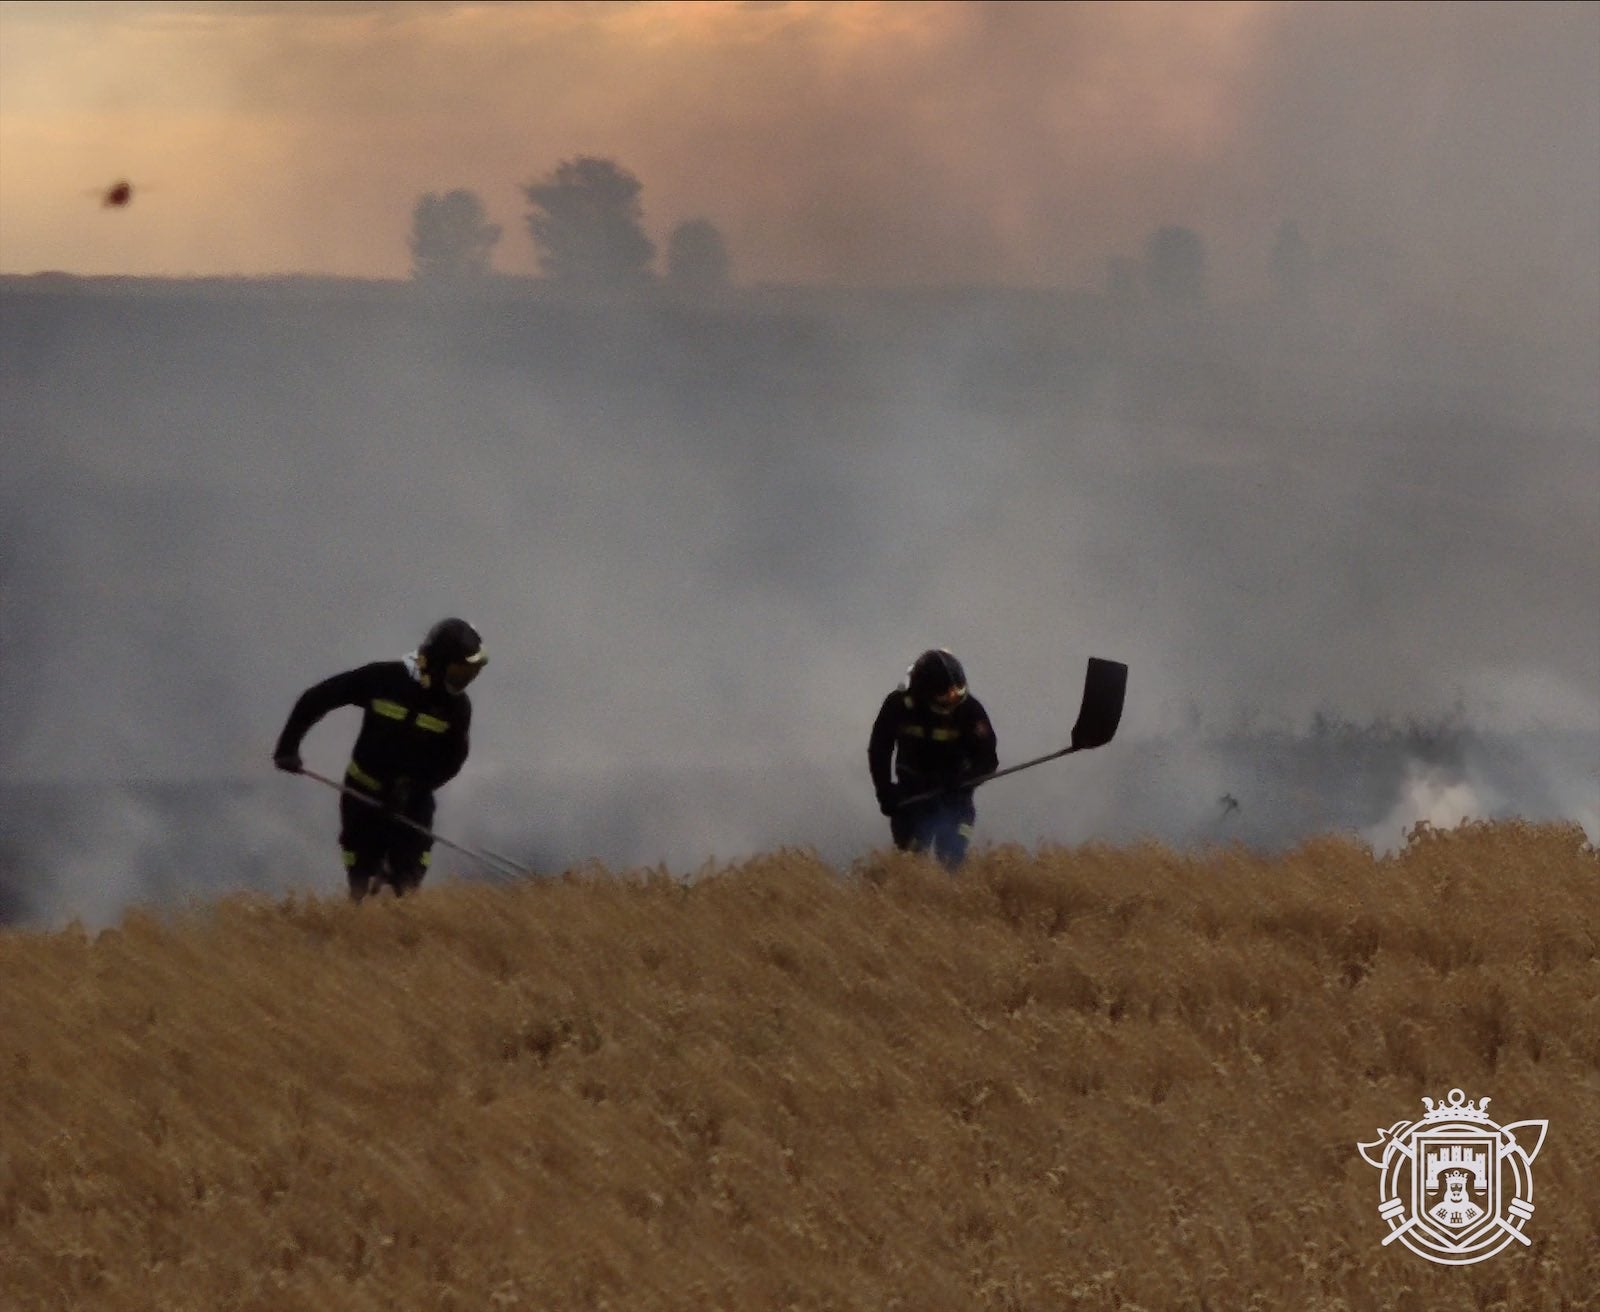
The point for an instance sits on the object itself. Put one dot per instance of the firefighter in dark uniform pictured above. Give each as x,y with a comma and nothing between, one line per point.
937,734
413,739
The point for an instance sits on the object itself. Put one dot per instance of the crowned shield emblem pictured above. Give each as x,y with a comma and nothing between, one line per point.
1456,1187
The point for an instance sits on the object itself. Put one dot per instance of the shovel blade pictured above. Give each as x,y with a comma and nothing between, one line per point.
1104,686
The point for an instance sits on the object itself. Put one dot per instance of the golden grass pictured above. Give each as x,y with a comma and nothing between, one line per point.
1084,1078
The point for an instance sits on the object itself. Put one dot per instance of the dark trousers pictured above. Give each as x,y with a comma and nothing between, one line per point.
942,825
378,850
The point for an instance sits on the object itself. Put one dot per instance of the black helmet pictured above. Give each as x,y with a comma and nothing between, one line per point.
453,653
936,679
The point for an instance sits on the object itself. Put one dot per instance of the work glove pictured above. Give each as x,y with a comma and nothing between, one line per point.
289,761
889,799
397,793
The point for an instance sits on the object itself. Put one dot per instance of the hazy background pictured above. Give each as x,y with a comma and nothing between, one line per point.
943,401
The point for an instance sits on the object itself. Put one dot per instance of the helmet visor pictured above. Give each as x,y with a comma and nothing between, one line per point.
458,674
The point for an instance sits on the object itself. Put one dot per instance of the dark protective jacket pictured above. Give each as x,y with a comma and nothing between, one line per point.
929,750
408,730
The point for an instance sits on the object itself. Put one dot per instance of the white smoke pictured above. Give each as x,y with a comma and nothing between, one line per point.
1432,797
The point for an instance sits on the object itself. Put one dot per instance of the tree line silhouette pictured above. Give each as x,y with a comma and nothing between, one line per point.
587,225
586,222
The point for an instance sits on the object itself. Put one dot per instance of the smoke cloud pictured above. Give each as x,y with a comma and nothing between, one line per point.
702,544
1344,539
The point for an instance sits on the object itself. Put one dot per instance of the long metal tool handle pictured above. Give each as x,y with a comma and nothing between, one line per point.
985,778
501,865
1105,685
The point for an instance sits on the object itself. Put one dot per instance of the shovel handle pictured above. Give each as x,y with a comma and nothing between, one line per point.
982,778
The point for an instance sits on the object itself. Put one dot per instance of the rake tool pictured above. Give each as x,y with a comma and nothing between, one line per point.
501,865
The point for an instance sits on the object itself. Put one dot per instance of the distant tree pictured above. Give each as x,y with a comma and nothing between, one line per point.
697,258
1290,268
451,237
586,224
1175,266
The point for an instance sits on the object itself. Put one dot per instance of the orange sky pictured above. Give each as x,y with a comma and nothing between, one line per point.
864,143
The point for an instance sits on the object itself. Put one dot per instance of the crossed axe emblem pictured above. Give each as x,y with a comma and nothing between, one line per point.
1398,1141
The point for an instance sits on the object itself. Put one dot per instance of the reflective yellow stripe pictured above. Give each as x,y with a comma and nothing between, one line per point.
356,774
946,735
431,722
349,857
913,731
389,710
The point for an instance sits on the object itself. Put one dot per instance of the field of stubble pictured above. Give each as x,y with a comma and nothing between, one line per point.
1085,1078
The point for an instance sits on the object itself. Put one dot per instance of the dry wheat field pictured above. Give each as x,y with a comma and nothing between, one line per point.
1083,1078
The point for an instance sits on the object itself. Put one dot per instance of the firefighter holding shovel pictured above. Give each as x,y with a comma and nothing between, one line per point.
938,738
937,735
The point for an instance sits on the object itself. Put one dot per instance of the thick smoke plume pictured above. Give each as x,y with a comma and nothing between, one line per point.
703,542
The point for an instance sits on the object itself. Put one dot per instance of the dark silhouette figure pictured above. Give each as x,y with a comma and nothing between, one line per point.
415,725
937,736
